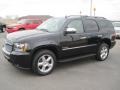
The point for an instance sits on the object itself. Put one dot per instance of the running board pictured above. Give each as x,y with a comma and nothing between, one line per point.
75,58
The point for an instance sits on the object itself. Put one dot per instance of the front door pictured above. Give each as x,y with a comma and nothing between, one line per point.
73,44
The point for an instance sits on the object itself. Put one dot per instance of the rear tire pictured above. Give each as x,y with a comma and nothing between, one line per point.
103,52
44,62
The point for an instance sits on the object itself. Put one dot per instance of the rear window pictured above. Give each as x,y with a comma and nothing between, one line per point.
90,26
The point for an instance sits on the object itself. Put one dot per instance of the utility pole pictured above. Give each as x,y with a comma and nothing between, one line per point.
91,7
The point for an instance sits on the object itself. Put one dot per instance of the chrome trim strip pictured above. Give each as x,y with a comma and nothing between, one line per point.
78,47
83,37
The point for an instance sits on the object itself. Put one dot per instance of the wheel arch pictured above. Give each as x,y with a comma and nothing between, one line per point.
107,41
22,28
52,48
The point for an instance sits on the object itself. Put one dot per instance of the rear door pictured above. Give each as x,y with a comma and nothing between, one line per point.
92,32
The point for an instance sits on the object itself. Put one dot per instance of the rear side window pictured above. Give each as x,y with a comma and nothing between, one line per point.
90,26
105,25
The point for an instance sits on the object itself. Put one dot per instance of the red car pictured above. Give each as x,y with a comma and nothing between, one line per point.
24,24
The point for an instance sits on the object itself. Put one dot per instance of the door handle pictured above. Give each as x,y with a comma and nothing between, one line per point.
100,35
83,37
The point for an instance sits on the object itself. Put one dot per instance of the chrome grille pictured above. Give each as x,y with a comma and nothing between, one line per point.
8,46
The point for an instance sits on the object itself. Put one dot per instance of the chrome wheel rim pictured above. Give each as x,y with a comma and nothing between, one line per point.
104,52
45,63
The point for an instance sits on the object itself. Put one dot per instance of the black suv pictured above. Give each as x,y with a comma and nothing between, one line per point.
60,40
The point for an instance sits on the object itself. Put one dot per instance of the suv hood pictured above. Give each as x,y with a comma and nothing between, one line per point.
16,36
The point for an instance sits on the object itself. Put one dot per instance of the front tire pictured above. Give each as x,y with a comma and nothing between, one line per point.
103,52
44,62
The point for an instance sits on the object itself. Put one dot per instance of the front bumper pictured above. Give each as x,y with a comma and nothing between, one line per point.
19,59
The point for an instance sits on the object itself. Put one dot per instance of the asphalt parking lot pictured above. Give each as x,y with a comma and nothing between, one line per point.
84,74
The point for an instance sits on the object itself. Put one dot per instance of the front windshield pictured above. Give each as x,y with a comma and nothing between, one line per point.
23,21
51,25
116,24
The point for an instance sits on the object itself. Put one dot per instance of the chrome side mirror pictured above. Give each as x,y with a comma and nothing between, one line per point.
70,31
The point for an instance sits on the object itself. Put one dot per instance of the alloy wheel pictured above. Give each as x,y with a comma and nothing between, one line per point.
104,52
45,63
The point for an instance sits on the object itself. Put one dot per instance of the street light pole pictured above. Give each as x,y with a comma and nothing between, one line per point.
91,7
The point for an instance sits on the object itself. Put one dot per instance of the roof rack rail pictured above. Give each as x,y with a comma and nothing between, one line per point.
85,16
98,17
76,15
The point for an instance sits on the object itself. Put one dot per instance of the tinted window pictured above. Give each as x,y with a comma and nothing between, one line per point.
77,24
90,26
105,25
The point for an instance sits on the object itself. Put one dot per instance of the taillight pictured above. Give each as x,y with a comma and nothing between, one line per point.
113,36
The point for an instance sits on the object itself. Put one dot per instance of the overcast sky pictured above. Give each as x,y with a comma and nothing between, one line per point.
107,8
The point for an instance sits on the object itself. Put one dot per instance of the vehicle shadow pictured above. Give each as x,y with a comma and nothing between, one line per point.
25,72
75,63
62,66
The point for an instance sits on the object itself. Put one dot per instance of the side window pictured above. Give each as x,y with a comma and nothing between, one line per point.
36,22
77,24
105,25
90,26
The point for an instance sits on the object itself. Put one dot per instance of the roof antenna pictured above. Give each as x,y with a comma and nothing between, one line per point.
80,13
66,16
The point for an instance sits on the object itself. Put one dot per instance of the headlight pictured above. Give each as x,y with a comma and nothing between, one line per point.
21,47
